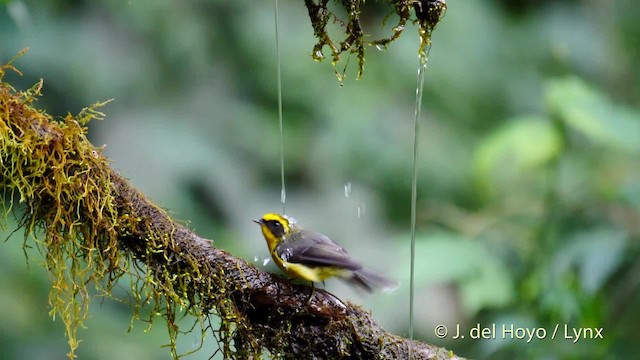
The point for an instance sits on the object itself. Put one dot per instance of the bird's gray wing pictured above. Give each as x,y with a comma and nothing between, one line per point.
314,249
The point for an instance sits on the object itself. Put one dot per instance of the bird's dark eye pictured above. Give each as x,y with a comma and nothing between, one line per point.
275,227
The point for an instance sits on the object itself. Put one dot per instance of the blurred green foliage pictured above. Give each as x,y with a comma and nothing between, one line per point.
529,191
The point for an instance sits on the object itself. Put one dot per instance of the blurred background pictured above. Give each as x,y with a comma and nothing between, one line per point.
529,175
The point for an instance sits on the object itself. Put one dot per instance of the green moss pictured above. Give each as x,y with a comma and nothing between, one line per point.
92,228
427,15
70,212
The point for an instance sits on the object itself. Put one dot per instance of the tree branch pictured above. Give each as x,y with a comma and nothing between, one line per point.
93,227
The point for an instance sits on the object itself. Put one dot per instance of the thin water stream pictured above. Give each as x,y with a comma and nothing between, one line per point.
422,67
283,192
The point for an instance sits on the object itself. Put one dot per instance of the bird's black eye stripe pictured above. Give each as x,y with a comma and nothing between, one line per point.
276,227
274,224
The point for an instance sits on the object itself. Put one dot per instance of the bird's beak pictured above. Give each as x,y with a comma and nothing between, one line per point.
259,222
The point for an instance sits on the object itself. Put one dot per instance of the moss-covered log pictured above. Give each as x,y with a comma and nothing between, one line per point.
94,228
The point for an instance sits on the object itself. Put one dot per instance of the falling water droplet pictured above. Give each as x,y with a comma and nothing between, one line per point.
255,258
347,189
361,210
265,261
196,341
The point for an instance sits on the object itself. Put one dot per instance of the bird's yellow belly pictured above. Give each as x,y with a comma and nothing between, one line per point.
315,274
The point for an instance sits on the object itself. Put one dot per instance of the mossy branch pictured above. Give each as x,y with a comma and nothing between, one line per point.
94,228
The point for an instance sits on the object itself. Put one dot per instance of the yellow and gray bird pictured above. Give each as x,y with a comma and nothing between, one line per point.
311,256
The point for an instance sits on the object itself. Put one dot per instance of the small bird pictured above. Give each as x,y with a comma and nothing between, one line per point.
312,256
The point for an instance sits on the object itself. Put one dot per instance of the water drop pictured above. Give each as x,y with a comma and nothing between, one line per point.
380,47
255,258
361,210
347,189
265,261
196,342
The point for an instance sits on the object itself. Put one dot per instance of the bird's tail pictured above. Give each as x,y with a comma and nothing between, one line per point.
371,280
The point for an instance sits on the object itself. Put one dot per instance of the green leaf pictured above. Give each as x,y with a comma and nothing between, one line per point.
595,253
480,275
519,145
591,113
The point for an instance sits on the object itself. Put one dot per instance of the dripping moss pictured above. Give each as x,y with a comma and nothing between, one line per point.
425,13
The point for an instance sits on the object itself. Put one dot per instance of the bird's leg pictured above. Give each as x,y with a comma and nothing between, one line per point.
313,290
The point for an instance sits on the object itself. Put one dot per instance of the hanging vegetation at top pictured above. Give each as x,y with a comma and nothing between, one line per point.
427,15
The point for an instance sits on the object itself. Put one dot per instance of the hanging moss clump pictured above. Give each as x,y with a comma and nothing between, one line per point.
427,15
